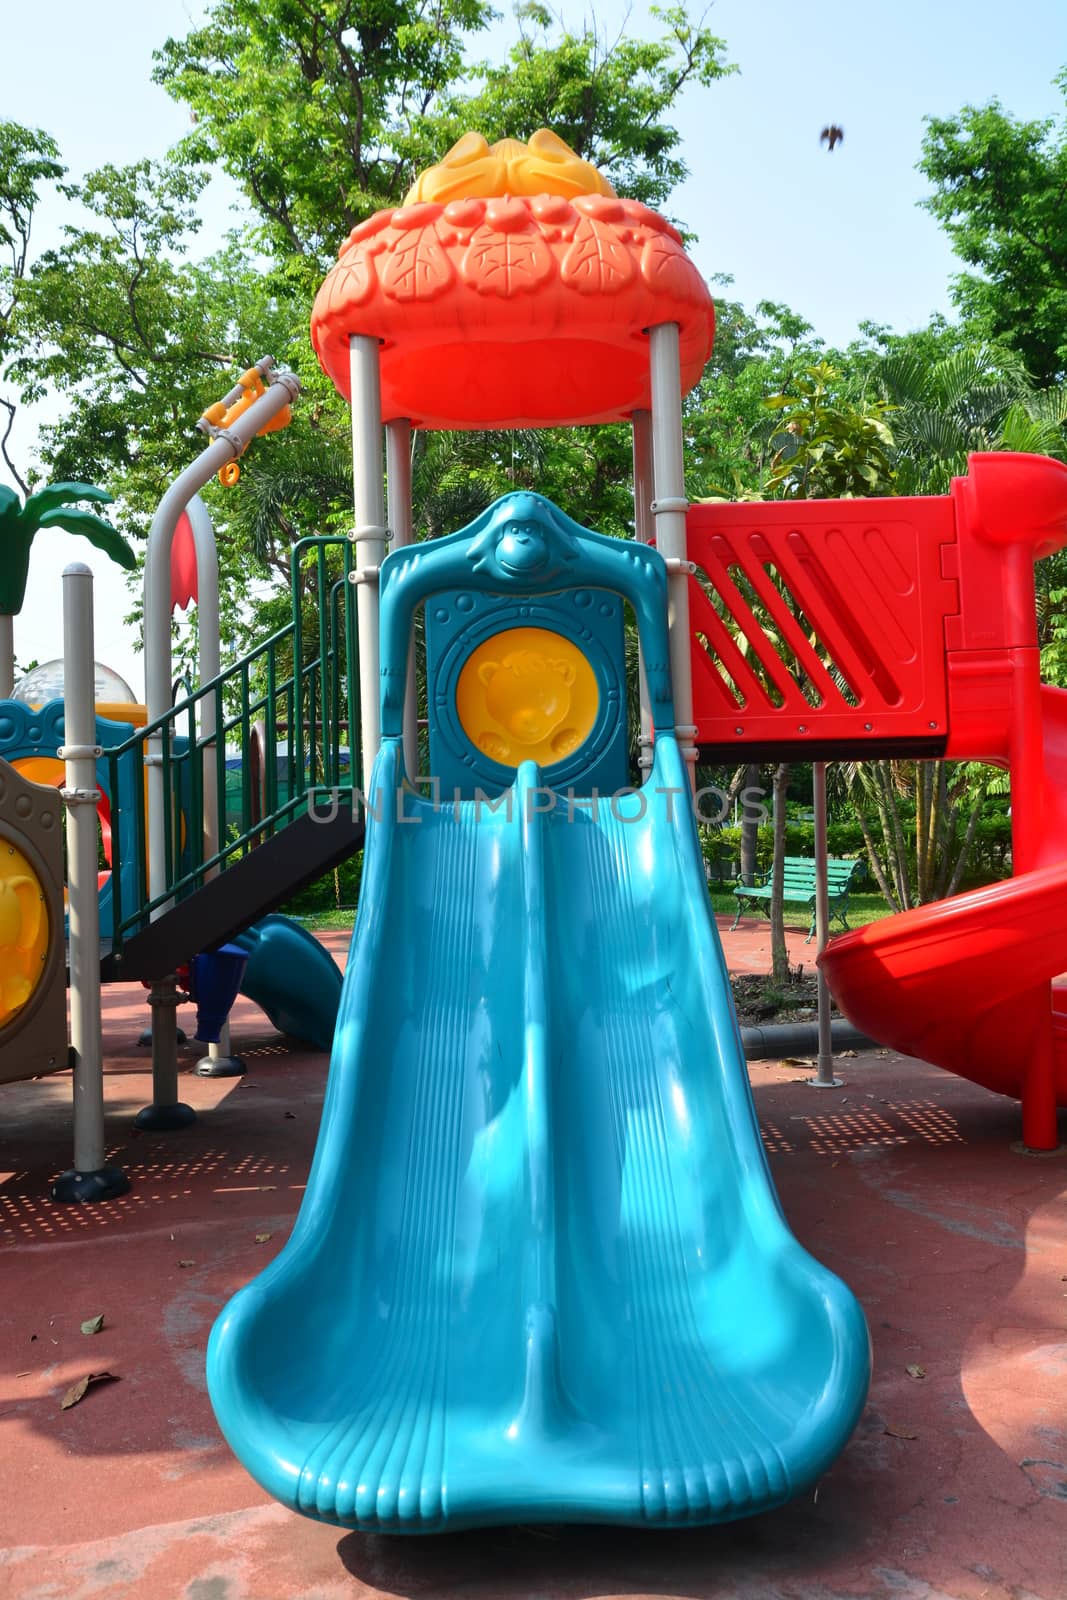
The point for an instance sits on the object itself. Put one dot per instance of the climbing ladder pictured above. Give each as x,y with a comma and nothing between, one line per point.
289,710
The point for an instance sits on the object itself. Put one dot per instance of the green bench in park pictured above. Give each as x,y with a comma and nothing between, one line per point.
799,888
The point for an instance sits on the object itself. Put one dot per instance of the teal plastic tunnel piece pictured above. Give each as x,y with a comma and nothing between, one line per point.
540,1271
291,977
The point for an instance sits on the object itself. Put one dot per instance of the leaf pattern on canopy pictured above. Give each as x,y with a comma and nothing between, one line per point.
506,263
598,262
417,267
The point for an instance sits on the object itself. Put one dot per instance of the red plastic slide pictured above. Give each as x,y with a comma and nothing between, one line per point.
968,983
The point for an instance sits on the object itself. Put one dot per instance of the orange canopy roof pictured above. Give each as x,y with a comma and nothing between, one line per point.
518,310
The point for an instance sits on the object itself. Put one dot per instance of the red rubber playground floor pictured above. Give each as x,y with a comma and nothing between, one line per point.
905,1182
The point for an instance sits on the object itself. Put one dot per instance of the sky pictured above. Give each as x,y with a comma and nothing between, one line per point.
839,237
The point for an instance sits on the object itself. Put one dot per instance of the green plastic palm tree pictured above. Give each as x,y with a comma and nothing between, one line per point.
55,506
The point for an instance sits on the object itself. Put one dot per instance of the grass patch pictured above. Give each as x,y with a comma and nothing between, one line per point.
862,908
327,921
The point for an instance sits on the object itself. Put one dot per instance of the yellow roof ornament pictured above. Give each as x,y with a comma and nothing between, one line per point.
476,169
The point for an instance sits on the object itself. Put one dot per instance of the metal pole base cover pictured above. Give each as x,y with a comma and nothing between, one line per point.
106,1183
146,1038
220,1067
164,1119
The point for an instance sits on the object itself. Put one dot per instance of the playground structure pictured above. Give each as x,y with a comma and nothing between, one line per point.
538,1140
285,970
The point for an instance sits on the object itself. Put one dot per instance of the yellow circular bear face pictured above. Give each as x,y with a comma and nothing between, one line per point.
527,694
24,931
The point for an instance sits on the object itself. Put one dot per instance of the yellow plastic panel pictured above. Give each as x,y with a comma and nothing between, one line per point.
24,930
527,694
46,770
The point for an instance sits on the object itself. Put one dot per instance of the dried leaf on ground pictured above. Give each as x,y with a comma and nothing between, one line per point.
915,1371
896,1430
79,1390
187,1262
261,1238
93,1324
798,1061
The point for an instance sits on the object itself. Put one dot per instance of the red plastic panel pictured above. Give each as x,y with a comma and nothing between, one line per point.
821,621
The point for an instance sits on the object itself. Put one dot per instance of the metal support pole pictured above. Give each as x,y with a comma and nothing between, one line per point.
398,475
1029,783
166,1112
369,532
644,527
7,657
90,1179
824,1070
669,509
220,1062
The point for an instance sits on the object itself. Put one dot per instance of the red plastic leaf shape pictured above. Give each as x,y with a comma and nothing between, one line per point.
597,261
183,585
349,284
417,267
667,270
506,263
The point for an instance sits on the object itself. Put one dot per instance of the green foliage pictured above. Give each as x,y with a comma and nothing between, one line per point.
999,187
989,859
928,826
53,507
321,114
728,428
828,446
606,97
133,334
29,157
1053,618
325,114
974,397
892,414
335,891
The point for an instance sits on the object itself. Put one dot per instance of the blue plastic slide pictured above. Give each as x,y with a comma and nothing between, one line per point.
293,978
540,1271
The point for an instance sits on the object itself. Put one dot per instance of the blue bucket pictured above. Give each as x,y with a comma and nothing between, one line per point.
215,979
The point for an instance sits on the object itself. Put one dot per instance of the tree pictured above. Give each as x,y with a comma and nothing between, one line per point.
999,187
977,397
605,97
321,114
919,821
728,426
779,952
828,446
53,507
324,114
132,333
29,157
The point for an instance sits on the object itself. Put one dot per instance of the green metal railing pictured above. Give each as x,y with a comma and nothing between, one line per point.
293,702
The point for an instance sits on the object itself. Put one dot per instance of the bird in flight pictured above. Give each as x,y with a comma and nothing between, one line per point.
832,135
